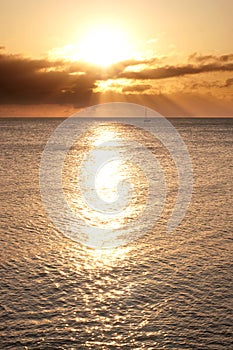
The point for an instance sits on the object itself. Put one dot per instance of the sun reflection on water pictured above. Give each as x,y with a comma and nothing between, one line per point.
98,260
107,257
103,187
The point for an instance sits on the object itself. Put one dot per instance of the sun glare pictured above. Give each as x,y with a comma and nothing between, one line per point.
103,46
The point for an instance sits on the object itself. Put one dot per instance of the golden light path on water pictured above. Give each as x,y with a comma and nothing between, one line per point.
106,258
103,157
108,176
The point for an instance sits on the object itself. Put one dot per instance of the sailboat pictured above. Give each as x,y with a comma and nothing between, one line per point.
146,119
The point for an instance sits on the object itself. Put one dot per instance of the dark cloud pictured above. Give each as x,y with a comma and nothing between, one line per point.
200,64
229,82
137,88
195,57
41,81
32,81
2,47
176,71
28,81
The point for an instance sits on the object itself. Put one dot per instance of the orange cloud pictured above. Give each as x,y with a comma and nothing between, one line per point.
27,81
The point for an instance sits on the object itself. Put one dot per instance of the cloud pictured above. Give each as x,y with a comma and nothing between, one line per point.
115,70
2,47
42,81
29,81
197,64
176,71
228,82
137,88
195,57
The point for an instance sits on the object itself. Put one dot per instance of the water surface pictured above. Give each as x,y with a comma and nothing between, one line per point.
162,291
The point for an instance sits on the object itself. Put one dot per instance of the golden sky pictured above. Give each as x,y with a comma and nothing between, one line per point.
60,55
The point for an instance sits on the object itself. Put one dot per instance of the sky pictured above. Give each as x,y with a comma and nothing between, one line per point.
57,56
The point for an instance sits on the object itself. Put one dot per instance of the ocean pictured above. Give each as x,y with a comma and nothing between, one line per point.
159,290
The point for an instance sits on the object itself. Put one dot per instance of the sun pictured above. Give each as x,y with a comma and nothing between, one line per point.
104,46
101,46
